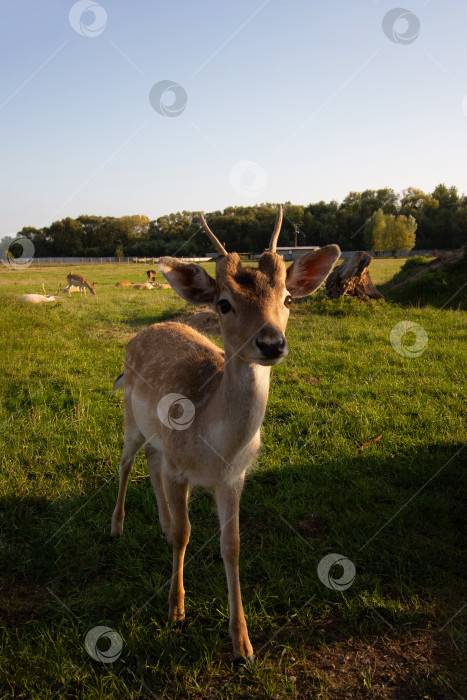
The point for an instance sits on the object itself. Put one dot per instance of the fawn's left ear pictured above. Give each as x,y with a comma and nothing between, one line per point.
189,280
307,273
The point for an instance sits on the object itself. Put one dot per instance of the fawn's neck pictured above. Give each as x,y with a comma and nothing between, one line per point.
239,404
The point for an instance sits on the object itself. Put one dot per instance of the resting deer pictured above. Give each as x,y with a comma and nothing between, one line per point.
69,288
80,282
223,396
39,298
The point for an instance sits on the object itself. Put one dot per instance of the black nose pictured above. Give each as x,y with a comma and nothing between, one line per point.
271,349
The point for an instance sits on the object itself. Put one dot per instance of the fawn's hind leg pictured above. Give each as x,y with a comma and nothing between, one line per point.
155,458
134,441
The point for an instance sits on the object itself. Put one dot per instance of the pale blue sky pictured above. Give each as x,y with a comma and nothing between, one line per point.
314,93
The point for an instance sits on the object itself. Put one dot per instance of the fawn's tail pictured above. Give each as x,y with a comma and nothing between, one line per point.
118,384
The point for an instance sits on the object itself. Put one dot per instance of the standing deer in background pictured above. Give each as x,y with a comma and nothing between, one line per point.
223,395
152,275
80,282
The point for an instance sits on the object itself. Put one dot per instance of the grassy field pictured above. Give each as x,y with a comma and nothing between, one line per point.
393,506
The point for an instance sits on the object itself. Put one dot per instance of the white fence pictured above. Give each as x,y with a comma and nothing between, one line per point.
65,260
23,262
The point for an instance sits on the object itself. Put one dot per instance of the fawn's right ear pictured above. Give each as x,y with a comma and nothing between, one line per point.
308,272
189,280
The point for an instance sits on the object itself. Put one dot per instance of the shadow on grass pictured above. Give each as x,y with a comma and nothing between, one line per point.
66,542
398,519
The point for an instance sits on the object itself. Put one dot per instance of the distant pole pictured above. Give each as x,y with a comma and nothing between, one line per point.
295,228
101,261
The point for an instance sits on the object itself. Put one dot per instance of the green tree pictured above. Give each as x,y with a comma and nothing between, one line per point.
375,232
66,236
399,232
390,232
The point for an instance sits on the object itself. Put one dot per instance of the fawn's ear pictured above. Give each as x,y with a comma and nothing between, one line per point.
189,280
307,273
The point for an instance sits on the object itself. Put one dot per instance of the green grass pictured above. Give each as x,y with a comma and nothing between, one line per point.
394,508
419,283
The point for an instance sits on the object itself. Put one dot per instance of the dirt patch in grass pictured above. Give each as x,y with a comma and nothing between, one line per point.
201,321
416,664
312,525
21,603
390,666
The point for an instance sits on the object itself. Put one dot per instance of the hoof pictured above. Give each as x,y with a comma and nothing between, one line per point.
241,662
116,531
179,624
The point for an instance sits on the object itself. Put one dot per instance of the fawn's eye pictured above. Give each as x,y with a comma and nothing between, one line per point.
287,301
225,306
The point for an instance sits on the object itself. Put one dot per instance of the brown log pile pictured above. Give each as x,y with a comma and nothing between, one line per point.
352,279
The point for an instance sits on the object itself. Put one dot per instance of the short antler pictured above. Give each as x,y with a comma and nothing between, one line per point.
218,246
277,230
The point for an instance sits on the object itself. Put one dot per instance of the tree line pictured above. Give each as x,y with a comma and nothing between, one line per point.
372,220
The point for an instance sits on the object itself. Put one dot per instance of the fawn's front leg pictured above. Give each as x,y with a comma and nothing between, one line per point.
177,496
228,501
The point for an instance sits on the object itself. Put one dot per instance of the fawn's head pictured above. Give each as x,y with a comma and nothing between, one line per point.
252,303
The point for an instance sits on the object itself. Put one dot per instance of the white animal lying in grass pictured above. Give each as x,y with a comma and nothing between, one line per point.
38,298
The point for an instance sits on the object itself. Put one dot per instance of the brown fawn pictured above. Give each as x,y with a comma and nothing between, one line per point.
222,395
81,282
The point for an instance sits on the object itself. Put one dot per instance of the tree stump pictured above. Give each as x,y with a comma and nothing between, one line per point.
352,279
